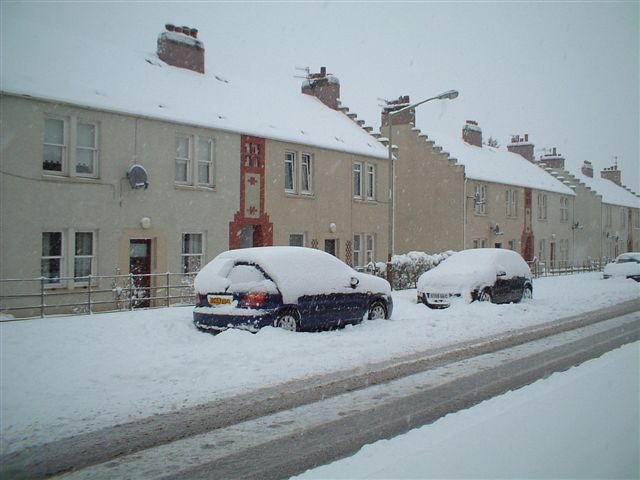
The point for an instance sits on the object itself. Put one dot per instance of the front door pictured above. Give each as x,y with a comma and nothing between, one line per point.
330,247
140,268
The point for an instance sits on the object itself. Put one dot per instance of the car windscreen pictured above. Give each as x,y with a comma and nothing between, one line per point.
247,278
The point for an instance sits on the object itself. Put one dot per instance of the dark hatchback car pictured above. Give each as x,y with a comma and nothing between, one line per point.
294,288
485,274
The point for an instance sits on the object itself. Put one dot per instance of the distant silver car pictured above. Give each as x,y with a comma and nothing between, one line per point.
484,274
626,265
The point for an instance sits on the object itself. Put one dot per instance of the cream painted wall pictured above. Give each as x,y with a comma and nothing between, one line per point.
33,202
429,195
332,200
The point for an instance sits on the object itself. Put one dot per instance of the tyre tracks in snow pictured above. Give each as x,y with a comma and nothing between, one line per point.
277,410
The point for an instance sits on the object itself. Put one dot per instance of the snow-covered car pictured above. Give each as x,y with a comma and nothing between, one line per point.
626,265
294,288
485,274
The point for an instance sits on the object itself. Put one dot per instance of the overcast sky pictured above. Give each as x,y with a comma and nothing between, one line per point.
566,73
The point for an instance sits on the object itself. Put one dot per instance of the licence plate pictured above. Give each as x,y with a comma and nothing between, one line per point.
439,296
219,300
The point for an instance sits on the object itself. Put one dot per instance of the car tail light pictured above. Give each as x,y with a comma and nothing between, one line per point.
253,299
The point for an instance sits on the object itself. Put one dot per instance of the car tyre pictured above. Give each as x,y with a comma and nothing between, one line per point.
527,293
377,310
485,296
288,320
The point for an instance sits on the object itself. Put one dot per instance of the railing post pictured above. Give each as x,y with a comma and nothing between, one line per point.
89,294
168,292
131,291
41,297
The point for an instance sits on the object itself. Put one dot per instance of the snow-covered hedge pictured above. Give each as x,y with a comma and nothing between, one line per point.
408,267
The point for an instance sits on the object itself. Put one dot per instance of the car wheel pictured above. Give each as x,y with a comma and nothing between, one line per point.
527,293
485,296
288,320
377,310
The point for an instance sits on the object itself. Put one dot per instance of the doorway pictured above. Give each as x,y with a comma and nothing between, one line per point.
140,268
330,246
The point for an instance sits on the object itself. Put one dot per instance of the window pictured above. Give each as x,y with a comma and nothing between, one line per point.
306,179
205,161
511,203
542,206
192,253
51,263
86,149
480,200
542,250
189,147
371,182
512,245
55,145
183,158
357,250
357,180
479,243
636,219
370,251
608,214
564,209
83,259
623,218
59,133
296,240
290,172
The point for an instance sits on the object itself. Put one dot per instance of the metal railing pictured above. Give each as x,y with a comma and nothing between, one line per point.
40,297
548,269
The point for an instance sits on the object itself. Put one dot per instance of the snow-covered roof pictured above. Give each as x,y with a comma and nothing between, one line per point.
41,61
611,193
497,165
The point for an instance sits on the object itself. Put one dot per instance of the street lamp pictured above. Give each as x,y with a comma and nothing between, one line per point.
448,95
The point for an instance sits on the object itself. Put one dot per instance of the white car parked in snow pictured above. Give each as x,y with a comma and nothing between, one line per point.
626,265
485,274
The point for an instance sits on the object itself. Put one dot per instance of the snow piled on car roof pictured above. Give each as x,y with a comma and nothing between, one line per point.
296,271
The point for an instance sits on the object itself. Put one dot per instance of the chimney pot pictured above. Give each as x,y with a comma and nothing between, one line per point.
170,27
186,30
194,32
526,137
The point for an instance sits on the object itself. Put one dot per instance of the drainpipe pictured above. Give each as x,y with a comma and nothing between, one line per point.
464,214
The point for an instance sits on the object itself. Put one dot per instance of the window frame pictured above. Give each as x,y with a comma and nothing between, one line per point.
210,162
185,257
303,236
358,250
370,183
49,282
357,180
95,151
369,249
306,159
64,147
480,207
84,280
290,159
542,206
564,209
183,160
511,203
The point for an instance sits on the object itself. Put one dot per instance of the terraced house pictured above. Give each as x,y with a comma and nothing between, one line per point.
454,192
120,161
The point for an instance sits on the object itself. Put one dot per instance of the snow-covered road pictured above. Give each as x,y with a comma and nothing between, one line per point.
67,375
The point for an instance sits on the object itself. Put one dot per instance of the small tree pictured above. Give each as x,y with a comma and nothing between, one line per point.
492,142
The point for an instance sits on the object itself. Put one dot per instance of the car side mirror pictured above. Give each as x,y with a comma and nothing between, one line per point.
502,274
354,282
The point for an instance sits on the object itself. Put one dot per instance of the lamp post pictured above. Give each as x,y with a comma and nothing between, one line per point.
448,95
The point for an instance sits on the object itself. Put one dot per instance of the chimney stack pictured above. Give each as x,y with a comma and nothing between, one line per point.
324,86
587,169
553,160
472,133
613,174
521,146
404,118
180,47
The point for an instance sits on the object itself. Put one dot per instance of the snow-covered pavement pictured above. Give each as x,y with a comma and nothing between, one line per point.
67,375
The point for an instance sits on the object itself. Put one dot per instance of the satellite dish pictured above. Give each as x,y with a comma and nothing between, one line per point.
137,176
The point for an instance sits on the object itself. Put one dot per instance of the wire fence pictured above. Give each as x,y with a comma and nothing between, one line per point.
41,297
